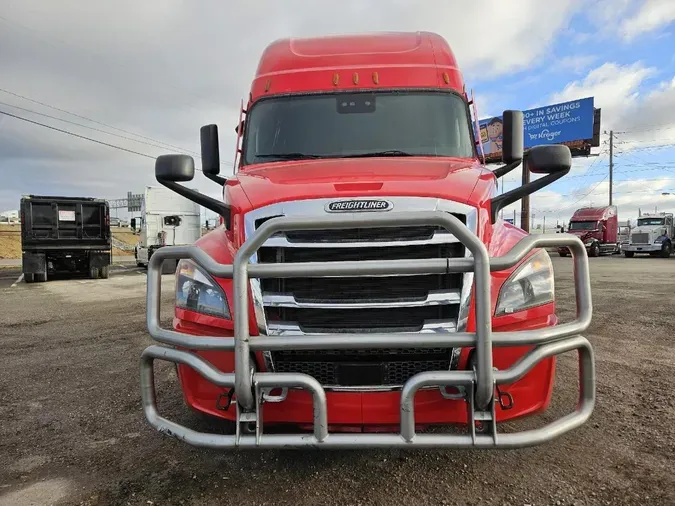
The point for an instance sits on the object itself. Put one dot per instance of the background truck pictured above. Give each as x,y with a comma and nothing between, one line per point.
65,234
167,219
597,227
652,234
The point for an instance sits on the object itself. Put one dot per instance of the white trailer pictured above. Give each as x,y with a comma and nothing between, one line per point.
167,219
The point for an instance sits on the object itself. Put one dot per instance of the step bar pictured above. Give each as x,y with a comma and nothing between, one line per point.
479,384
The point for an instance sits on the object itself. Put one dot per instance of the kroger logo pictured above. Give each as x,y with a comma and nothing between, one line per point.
545,134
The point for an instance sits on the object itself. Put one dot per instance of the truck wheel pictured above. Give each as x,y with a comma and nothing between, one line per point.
28,277
104,272
666,250
629,254
595,249
41,277
93,272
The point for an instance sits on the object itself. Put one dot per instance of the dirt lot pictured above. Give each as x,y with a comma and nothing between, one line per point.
72,430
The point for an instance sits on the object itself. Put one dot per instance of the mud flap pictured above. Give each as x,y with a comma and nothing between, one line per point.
34,263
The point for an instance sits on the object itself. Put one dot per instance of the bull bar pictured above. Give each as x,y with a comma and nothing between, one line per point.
478,384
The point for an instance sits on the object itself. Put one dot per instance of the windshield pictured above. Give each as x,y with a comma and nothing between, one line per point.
642,222
392,123
583,225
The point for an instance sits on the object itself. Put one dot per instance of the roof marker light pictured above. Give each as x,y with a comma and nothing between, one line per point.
336,79
268,84
446,78
376,78
355,78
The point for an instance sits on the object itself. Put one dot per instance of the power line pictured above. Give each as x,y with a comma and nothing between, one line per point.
78,135
91,128
660,129
163,145
91,120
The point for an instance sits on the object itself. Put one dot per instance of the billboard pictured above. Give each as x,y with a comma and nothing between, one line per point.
564,123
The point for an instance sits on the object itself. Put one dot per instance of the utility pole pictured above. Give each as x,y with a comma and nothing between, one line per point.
611,164
525,201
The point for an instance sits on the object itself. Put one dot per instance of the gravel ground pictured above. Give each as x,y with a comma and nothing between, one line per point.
72,430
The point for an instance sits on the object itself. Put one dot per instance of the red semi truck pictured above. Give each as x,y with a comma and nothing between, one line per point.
597,227
361,286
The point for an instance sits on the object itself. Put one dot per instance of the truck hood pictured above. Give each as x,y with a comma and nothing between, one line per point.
455,179
653,230
583,234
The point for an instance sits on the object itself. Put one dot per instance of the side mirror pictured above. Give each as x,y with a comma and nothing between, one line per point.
512,137
208,135
512,142
554,161
174,168
551,159
133,224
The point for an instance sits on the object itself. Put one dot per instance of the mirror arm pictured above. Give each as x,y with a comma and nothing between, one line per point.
498,203
216,179
199,198
505,169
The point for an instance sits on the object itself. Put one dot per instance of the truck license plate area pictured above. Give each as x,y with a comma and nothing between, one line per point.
354,375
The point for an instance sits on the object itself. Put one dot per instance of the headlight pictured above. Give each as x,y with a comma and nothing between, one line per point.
197,291
529,286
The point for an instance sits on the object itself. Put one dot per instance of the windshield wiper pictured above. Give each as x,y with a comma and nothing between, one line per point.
290,156
390,152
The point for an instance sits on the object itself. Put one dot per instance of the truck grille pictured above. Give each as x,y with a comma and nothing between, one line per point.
409,303
640,239
363,367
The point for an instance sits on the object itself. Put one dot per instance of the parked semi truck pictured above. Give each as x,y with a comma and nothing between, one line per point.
361,285
64,234
167,219
652,234
597,227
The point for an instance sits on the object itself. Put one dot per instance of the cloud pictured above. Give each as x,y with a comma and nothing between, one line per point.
652,15
575,63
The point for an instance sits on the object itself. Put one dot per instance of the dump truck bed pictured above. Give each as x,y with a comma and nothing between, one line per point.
64,223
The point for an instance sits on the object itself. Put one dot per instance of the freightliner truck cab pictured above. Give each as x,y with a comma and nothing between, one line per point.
361,286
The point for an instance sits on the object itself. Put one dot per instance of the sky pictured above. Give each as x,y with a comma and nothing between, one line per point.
144,76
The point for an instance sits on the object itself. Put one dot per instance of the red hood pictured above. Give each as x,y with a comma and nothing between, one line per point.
455,179
583,233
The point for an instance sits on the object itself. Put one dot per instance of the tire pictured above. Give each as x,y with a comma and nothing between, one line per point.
104,272
595,250
629,254
93,273
666,250
41,277
28,277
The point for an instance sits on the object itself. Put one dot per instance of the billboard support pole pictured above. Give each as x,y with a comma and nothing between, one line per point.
611,163
525,201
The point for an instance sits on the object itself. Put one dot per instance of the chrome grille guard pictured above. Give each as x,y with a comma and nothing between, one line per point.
479,383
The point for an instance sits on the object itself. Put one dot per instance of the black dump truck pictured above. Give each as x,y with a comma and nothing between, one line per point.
65,234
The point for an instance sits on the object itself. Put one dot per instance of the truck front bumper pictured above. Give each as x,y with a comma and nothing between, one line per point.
642,248
475,388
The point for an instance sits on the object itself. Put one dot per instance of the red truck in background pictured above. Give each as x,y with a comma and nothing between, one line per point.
361,286
597,227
